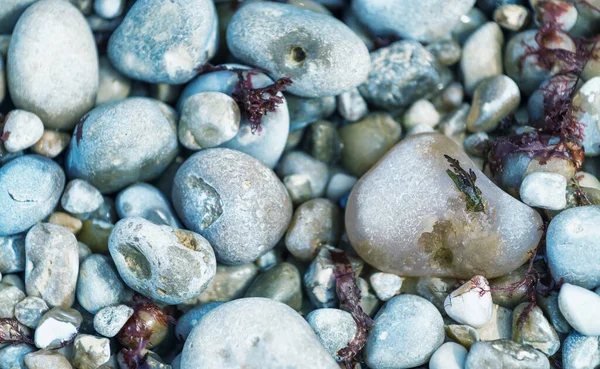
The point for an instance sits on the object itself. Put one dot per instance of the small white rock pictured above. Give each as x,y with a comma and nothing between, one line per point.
51,144
421,112
339,185
419,128
544,190
109,9
386,285
109,320
89,352
21,130
581,308
450,355
587,180
57,326
80,197
471,303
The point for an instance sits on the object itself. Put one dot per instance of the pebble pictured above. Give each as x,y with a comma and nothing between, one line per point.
259,340
435,290
13,280
208,119
146,201
407,331
530,327
586,112
322,142
366,141
446,50
368,299
560,13
169,265
80,197
450,355
94,233
505,354
580,352
21,130
43,359
407,196
307,110
511,17
385,285
572,246
468,23
326,58
482,56
113,86
298,187
109,320
463,334
57,327
280,283
109,9
52,143
30,310
524,71
335,329
351,105
66,220
30,188
298,162
499,326
508,291
99,285
120,143
147,47
544,190
9,298
56,32
401,74
190,319
242,219
13,356
12,253
52,264
581,308
471,303
315,223
339,185
425,20
493,99
420,112
549,305
89,352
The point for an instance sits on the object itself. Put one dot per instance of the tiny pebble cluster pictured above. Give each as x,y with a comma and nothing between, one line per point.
299,184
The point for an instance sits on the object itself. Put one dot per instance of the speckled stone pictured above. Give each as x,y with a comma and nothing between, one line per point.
307,110
351,105
450,355
147,47
463,334
580,352
400,74
55,32
120,143
80,197
581,308
586,112
408,195
280,283
108,321
12,253
335,329
99,284
51,144
325,58
57,327
503,354
482,56
494,98
21,130
190,319
169,265
43,359
530,327
146,201
471,304
298,162
259,340
385,285
241,219
13,356
9,298
407,331
52,264
89,352
544,190
30,188
29,311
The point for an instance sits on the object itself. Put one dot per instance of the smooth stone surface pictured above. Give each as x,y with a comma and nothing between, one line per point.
512,17
9,298
259,340
164,42
46,360
108,321
450,355
322,142
113,85
335,329
482,56
80,197
581,308
299,162
463,334
169,265
499,326
190,319
351,105
57,327
319,53
587,113
471,304
385,285
420,112
30,188
530,327
241,219
544,190
505,354
408,196
89,352
99,284
51,144
55,32
298,187
12,253
523,70
109,9
407,331
339,186
52,264
30,310
306,110
13,356
425,20
146,201
120,143
580,352
21,130
572,246
280,283
494,99
63,219
400,74
549,305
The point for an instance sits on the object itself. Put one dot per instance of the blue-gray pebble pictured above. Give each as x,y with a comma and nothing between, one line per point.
99,284
165,41
189,320
12,253
319,53
13,356
146,201
30,188
120,143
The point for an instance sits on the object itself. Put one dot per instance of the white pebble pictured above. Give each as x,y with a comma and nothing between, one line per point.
450,355
471,303
109,9
21,130
544,190
587,180
421,112
581,308
386,285
80,197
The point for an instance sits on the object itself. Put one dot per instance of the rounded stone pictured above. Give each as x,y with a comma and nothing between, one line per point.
322,141
581,308
208,119
471,303
51,144
544,190
30,188
109,9
10,296
259,340
12,253
586,112
494,99
580,352
62,88
164,41
52,264
190,319
57,327
169,265
351,105
13,356
146,201
43,359
80,197
113,85
241,219
108,321
501,354
299,162
530,327
512,17
450,355
120,143
98,285
482,56
321,55
89,352
306,110
21,130
335,329
280,283
407,331
29,311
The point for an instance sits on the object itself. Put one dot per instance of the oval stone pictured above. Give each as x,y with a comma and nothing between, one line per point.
406,216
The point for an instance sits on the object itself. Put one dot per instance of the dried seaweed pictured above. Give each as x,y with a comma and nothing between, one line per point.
465,182
13,332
